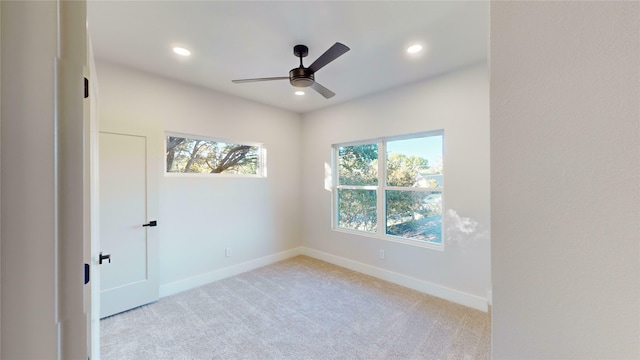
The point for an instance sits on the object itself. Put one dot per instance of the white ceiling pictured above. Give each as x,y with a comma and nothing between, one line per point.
250,39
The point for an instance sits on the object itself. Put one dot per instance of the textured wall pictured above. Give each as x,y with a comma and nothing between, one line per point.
565,198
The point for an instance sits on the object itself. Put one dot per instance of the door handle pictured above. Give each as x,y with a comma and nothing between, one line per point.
151,223
104,257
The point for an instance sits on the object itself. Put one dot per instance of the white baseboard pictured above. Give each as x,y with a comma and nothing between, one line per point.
455,296
206,278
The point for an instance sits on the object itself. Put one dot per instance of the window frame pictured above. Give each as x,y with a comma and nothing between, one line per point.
262,156
381,190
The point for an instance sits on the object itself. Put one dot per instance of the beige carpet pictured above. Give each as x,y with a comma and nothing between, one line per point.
300,308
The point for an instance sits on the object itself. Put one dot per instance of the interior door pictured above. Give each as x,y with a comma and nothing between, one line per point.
129,249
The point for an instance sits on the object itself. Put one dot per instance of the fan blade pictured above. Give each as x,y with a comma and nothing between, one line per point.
322,90
333,53
240,81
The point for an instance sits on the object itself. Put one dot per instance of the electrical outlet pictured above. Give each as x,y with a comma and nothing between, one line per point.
381,254
227,252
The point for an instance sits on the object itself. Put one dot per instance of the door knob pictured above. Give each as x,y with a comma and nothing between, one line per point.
104,257
151,223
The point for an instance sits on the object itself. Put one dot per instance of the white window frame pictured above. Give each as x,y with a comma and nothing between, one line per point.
381,189
262,157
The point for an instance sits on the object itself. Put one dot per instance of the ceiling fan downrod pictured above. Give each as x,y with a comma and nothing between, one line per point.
304,77
301,76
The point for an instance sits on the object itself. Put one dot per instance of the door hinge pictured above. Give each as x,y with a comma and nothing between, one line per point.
86,273
86,88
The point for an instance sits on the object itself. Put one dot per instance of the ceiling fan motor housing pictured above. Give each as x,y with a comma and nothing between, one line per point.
304,76
301,77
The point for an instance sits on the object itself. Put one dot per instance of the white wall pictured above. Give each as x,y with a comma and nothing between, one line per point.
458,103
0,183
200,216
28,224
565,87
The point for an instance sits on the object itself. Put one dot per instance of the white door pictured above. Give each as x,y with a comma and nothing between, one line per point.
129,271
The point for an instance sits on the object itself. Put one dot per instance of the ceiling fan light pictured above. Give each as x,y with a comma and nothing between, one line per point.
302,77
414,49
181,51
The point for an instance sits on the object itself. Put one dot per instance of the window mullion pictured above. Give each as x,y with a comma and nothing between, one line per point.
382,185
415,189
357,187
334,182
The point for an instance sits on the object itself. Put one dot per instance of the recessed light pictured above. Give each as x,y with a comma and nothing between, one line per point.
181,51
299,93
413,49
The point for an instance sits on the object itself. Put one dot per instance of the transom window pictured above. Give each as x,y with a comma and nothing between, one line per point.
197,155
391,187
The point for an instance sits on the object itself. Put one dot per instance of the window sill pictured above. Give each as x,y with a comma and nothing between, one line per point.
417,243
213,175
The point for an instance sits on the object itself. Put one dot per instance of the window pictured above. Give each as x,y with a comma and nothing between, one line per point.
396,182
209,156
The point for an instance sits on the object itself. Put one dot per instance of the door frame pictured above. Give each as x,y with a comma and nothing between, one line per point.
72,242
92,170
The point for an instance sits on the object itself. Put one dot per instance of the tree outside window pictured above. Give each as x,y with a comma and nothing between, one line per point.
191,155
401,189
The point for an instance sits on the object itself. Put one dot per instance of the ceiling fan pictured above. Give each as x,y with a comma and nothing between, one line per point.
304,76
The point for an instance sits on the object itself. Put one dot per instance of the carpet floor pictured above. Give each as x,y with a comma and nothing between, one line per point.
300,308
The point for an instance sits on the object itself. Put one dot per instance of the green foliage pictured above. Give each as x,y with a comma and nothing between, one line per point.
357,209
409,213
406,207
403,170
206,156
358,165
